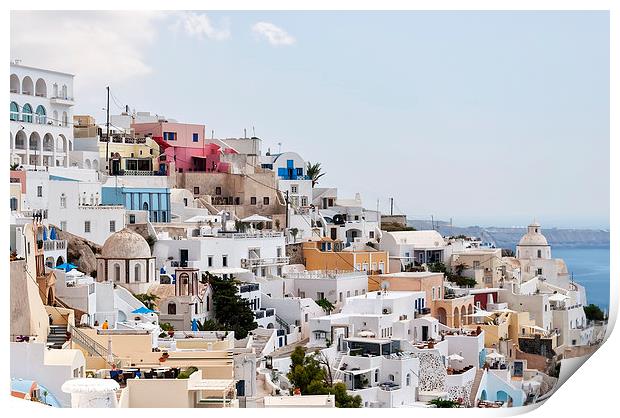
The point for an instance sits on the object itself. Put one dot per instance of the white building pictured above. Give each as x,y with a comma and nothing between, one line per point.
261,252
75,207
331,285
413,247
50,368
41,116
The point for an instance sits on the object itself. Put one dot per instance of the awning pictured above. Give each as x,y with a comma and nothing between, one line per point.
256,218
356,372
229,270
66,266
558,297
142,310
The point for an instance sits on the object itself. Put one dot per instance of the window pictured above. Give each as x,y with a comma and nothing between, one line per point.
63,201
14,111
265,200
224,261
371,234
408,380
117,272
539,253
294,189
13,203
112,226
172,309
539,272
170,136
376,375
63,225
185,201
306,318
196,190
194,137
132,219
304,201
340,297
137,273
210,261
218,191
41,115
87,226
253,200
39,191
27,113
300,171
320,295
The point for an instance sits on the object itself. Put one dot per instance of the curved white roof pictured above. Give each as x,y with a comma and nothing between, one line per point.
90,385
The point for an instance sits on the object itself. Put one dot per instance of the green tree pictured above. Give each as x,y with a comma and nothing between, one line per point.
231,311
149,300
594,313
314,172
308,373
327,306
437,267
444,403
209,325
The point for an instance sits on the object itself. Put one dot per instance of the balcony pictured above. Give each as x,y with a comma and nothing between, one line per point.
249,287
137,172
249,263
55,245
244,235
66,101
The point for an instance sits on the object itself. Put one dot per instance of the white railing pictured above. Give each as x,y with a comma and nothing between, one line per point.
54,245
242,235
322,274
261,262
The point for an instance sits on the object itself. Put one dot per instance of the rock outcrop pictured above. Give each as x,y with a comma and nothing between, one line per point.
81,252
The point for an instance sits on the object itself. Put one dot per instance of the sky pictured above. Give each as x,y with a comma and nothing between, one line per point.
488,118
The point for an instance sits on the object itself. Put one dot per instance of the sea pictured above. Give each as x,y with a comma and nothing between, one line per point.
590,267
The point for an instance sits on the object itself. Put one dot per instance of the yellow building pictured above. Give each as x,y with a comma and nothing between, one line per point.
328,254
128,154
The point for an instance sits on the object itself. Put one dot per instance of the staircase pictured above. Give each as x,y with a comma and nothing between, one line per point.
57,336
283,324
474,387
339,374
91,346
258,343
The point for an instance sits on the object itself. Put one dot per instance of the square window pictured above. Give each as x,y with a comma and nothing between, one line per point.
195,137
294,189
253,200
218,191
196,190
265,200
132,219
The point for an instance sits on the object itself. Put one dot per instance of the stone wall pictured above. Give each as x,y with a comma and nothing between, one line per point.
295,253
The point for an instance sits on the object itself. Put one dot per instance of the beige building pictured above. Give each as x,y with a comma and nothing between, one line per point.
242,195
484,265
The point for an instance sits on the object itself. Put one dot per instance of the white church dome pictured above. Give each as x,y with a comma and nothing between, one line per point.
126,244
533,237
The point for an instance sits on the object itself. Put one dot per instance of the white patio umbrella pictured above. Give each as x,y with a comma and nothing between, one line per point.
558,297
480,314
504,310
536,328
495,356
256,218
455,357
74,273
366,334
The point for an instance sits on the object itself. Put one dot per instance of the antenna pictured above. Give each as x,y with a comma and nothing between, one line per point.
245,133
253,131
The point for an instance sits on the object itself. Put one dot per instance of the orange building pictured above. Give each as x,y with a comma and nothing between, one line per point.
328,254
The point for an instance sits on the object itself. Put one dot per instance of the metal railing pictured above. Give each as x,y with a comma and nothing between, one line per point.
54,245
91,346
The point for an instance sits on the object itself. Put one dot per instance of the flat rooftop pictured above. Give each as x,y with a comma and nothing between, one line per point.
396,294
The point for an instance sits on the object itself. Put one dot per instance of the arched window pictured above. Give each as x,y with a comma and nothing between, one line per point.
40,89
55,90
55,117
172,309
376,375
13,203
145,206
117,272
27,86
408,381
14,83
65,119
14,111
20,140
391,378
64,91
27,113
41,115
137,273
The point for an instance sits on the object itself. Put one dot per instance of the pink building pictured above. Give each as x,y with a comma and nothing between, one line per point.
184,143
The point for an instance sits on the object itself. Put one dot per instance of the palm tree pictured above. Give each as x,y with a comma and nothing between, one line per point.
314,172
327,306
148,299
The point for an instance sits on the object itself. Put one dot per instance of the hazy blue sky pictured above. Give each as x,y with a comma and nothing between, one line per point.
491,118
